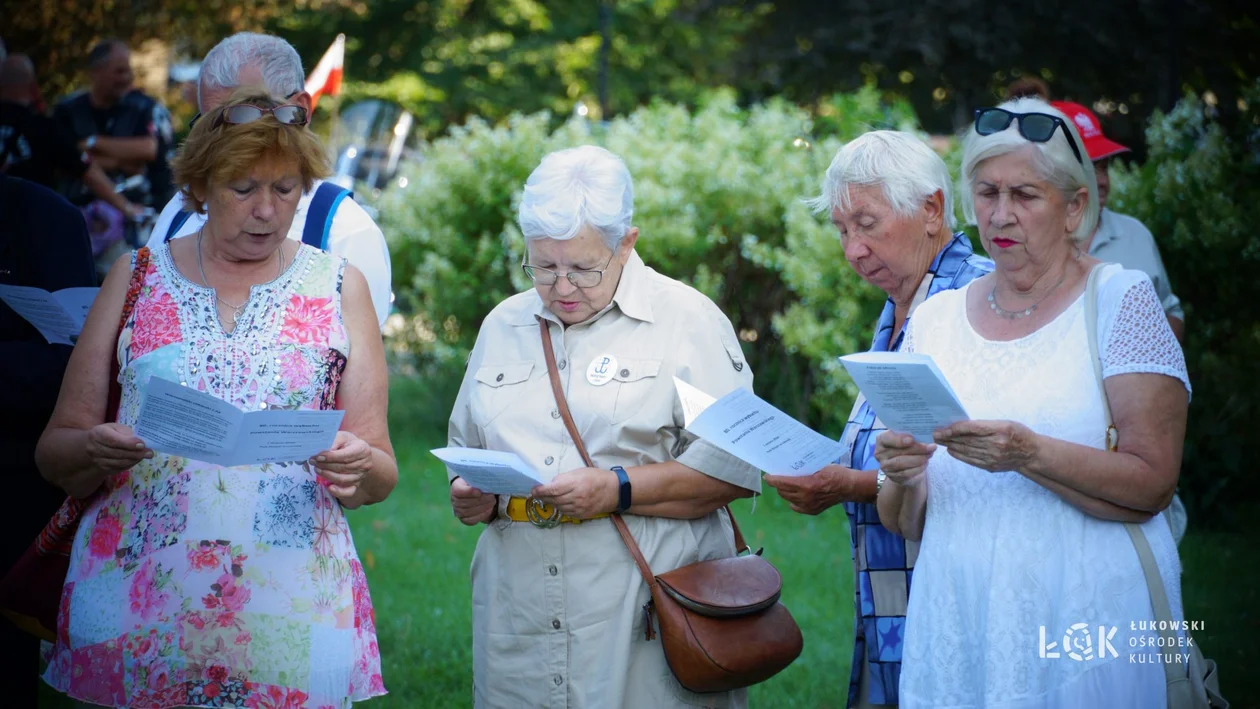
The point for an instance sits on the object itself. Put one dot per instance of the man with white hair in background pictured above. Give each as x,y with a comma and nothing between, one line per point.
327,216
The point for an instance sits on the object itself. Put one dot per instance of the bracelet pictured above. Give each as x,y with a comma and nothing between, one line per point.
880,477
623,488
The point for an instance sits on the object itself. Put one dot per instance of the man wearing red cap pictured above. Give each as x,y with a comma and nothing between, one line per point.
1119,238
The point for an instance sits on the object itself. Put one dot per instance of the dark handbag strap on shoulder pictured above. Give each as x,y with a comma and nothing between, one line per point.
139,268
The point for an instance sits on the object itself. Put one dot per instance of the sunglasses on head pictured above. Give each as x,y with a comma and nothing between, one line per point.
287,114
1037,127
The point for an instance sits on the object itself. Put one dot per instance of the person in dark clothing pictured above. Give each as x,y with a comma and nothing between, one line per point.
30,377
125,131
36,148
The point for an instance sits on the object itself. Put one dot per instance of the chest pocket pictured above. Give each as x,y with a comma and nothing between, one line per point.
498,386
630,388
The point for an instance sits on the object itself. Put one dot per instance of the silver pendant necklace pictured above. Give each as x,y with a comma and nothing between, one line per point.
1017,314
236,309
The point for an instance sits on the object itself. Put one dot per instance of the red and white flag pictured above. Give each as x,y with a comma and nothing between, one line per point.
325,78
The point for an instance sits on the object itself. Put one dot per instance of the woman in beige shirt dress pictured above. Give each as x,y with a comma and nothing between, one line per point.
558,616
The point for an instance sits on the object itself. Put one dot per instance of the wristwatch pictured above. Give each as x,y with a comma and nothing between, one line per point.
880,477
623,488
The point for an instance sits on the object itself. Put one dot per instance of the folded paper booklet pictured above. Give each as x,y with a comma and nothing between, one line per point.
492,472
58,316
182,421
907,391
751,429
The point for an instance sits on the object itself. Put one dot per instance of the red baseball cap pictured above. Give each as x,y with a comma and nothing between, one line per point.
1097,145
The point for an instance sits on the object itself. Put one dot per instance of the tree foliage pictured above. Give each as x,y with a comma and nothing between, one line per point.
950,56
447,60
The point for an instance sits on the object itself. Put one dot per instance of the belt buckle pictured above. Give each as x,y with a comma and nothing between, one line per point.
541,515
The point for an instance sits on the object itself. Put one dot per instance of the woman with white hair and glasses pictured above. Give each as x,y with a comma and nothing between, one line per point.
889,197
558,617
1027,588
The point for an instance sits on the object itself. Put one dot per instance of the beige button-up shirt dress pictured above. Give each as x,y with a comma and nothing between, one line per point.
558,613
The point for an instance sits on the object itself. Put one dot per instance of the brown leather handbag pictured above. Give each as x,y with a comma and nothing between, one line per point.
721,623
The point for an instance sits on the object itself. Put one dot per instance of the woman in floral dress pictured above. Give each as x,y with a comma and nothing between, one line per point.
193,584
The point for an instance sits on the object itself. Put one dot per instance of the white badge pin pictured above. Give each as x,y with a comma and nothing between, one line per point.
601,370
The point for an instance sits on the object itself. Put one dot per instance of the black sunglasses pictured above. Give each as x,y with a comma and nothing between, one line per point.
1037,127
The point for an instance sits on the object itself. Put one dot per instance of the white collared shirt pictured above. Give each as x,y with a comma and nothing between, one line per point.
1124,240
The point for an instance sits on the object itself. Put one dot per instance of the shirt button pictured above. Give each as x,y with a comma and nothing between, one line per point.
739,366
555,413
549,460
556,624
499,378
553,570
562,364
558,680
625,372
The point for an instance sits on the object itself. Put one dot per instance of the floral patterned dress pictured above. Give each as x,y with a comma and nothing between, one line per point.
201,585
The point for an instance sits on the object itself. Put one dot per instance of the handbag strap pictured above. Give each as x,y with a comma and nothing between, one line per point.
138,270
563,406
1154,582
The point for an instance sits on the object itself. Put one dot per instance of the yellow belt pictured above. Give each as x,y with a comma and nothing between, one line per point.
540,514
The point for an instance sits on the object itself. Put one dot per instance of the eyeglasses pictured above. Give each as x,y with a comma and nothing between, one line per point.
287,114
580,279
1037,127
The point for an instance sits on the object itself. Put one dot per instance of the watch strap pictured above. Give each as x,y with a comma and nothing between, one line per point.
623,488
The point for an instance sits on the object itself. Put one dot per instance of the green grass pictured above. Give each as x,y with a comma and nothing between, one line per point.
417,557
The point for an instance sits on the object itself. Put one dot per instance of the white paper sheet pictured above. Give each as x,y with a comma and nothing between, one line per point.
59,316
694,401
751,429
492,472
181,421
907,391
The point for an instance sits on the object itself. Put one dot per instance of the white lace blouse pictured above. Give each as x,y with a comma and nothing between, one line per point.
1006,567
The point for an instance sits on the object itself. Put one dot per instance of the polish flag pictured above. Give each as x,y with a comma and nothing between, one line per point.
325,78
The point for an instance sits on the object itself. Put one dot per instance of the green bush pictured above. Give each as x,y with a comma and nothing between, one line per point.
719,201
718,195
1197,192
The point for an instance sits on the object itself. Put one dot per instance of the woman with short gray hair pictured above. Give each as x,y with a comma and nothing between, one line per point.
1026,589
558,617
890,199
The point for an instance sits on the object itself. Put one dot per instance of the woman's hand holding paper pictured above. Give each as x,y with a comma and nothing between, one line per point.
995,446
900,457
113,448
471,505
582,493
344,465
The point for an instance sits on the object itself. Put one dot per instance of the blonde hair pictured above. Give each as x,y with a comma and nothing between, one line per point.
213,155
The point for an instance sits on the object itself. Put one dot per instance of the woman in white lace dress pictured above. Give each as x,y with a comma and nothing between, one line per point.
1024,568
